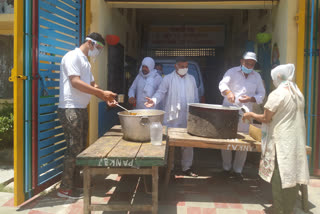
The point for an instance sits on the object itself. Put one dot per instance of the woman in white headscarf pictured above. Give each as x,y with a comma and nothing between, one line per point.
145,84
283,159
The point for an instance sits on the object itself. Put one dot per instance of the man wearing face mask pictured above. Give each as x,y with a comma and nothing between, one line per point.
145,84
178,89
76,87
241,86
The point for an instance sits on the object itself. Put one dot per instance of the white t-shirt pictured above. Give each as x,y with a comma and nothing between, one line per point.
77,64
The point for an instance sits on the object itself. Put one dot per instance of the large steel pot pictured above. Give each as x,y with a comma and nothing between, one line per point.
137,127
213,121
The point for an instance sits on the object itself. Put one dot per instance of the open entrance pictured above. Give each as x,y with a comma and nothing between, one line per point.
213,39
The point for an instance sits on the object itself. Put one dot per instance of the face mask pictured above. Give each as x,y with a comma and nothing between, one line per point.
246,70
182,71
93,53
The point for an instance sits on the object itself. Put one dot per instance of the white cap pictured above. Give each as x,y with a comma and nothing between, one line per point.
250,55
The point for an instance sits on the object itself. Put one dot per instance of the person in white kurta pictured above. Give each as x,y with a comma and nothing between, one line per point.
241,86
145,84
178,89
283,139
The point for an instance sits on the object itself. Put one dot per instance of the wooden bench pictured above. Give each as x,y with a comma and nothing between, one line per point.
178,137
110,154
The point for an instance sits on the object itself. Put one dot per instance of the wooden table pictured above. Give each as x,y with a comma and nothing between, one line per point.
110,154
178,137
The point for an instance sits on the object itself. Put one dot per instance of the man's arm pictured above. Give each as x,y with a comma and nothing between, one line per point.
162,90
106,96
224,87
224,83
160,93
94,84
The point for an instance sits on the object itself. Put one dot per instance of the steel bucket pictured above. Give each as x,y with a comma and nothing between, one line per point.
137,127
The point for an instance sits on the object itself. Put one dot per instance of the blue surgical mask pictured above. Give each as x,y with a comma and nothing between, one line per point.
246,70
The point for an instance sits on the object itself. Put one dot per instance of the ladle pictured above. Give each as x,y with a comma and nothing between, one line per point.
131,113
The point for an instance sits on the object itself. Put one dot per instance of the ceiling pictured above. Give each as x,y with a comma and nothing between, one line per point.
185,16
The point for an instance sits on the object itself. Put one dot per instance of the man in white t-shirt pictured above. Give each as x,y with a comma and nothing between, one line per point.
76,87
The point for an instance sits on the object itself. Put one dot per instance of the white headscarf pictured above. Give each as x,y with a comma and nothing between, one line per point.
149,87
149,62
283,75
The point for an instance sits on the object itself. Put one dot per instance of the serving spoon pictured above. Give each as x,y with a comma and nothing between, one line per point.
131,113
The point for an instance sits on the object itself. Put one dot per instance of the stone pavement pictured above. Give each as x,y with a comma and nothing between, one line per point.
212,192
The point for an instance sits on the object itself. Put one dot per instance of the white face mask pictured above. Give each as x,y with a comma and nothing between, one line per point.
182,71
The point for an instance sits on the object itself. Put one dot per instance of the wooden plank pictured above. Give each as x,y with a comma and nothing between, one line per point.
125,149
189,4
149,151
121,207
168,170
179,137
110,151
155,180
100,148
116,128
102,153
86,190
122,171
255,132
114,131
150,155
120,162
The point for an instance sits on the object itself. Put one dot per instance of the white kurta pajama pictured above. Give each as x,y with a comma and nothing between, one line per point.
252,86
177,92
145,85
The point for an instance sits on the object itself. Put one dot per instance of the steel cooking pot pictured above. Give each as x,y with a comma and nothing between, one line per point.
213,121
137,127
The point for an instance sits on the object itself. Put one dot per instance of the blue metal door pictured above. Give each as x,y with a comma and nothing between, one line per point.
58,28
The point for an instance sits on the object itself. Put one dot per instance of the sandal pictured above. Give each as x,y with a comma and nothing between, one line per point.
189,173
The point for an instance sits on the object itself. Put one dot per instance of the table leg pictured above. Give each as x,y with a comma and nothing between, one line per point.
155,180
86,190
169,167
304,197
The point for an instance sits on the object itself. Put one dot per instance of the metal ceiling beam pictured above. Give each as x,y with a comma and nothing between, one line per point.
259,4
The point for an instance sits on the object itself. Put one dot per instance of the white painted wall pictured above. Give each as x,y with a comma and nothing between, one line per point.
106,20
285,30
